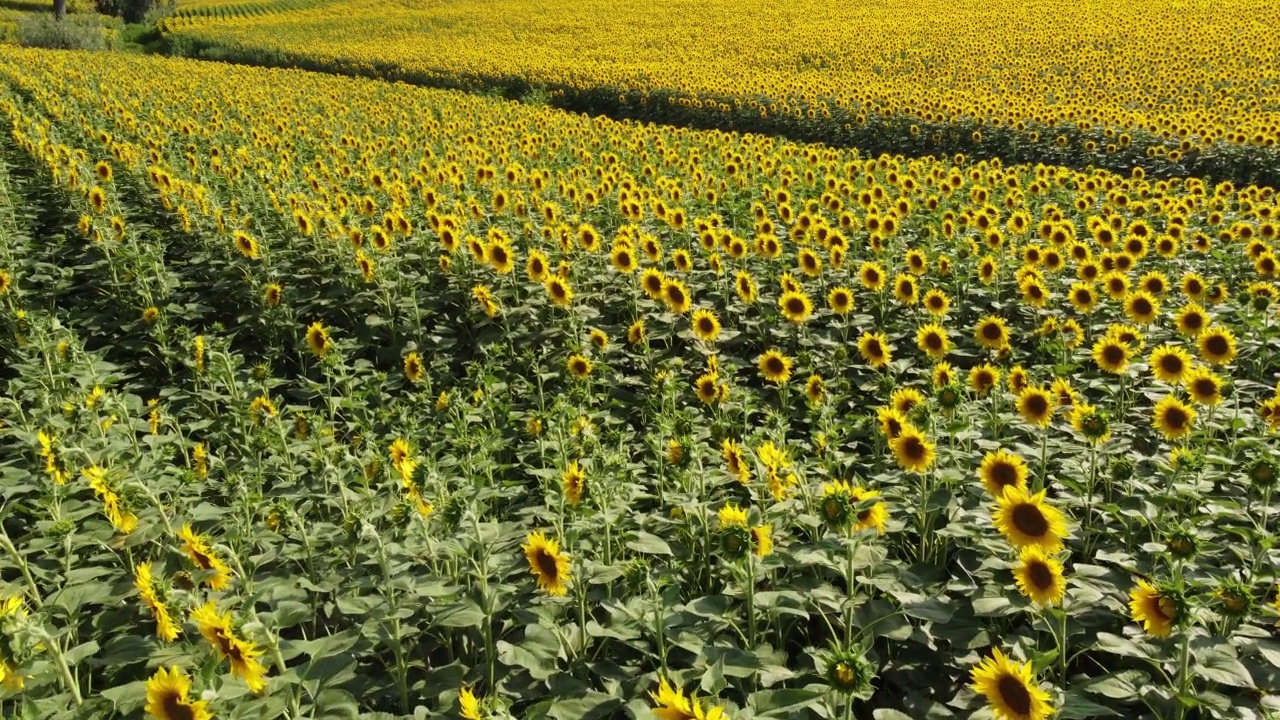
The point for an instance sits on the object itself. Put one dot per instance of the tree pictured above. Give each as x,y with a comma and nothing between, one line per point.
60,8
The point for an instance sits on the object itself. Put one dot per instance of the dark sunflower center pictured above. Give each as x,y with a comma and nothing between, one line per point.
175,708
873,277
1113,354
1171,364
1205,387
654,283
1216,344
557,290
675,294
546,565
1175,417
1003,474
985,380
992,331
1029,521
1040,575
874,349
705,326
1015,695
499,254
775,366
1037,404
1141,306
933,341
913,448
795,306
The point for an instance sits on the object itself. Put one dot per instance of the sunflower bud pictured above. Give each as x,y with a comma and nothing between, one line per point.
1181,544
850,672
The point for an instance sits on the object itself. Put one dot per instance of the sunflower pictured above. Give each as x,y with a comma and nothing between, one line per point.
676,296
652,282
762,540
636,332
936,302
1111,354
217,630
1001,469
1204,386
1026,519
983,377
1217,345
892,422
992,333
943,374
499,255
705,324
745,287
1173,418
1034,292
1170,364
1141,307
537,267
1010,689
578,366
1192,320
1090,422
1116,284
871,275
167,697
814,388
166,629
197,548
547,563
1194,286
623,259
932,340
1035,404
707,387
1039,576
574,482
906,290
673,705
559,291
988,270
774,366
1154,607
469,705
318,339
247,246
1083,298
840,300
912,450
874,349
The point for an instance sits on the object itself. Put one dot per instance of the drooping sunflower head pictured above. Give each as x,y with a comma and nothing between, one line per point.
1158,607
318,339
547,563
676,295
874,349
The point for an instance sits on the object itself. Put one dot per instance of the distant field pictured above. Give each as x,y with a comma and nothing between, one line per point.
1176,85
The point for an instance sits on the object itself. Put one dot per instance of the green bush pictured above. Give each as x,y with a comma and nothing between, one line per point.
73,32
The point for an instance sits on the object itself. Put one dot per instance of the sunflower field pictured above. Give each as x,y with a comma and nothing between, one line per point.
328,397
1179,87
